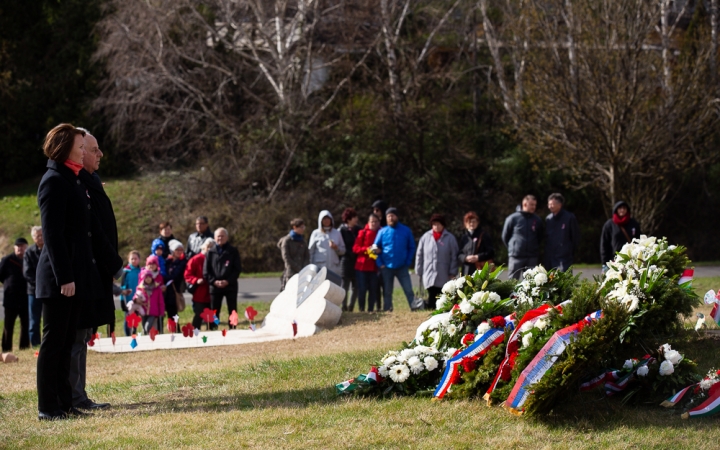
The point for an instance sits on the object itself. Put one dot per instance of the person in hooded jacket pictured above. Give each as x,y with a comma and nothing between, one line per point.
618,231
349,231
295,254
522,234
366,272
378,208
326,244
437,261
222,269
476,246
158,249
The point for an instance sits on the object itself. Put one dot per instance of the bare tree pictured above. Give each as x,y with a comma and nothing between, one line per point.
608,93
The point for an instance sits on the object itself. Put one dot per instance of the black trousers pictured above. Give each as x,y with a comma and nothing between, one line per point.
12,313
433,294
198,308
216,299
78,365
53,366
170,301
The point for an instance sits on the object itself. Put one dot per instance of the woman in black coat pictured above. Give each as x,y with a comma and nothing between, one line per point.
475,245
66,274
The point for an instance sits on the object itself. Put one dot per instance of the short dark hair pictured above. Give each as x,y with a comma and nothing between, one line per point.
373,215
530,197
164,225
59,142
202,218
471,215
297,222
557,197
438,218
348,215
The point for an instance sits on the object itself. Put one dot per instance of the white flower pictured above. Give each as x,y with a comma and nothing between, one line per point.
535,291
450,352
383,371
389,361
666,348
408,353
416,366
540,279
643,370
449,287
527,340
529,274
483,328
628,364
399,373
479,297
706,384
445,321
672,247
631,302
422,349
541,324
401,359
441,301
451,329
527,326
459,283
494,297
430,363
466,307
525,285
673,356
666,368
435,336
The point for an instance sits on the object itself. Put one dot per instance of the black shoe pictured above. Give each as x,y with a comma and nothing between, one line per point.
89,404
74,412
52,415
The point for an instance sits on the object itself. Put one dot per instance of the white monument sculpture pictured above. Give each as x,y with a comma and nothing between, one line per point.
310,302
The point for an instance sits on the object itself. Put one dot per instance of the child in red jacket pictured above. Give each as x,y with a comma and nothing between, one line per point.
365,267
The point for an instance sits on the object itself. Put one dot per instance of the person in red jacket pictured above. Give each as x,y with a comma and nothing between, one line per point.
365,267
197,285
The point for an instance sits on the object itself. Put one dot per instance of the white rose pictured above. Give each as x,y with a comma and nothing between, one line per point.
449,287
450,352
430,363
451,329
494,297
541,324
628,364
459,283
466,307
673,356
483,328
527,340
643,370
441,301
408,353
666,368
389,361
666,348
540,279
527,326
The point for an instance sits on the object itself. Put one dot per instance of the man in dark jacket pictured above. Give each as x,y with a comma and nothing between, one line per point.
294,251
379,207
562,234
15,300
100,309
618,231
522,234
349,231
221,270
30,262
195,240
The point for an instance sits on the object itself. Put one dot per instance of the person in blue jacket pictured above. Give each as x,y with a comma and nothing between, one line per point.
395,246
158,249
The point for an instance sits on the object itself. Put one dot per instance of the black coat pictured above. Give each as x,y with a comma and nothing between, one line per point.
14,284
612,237
67,256
469,246
562,238
105,249
347,261
30,263
225,266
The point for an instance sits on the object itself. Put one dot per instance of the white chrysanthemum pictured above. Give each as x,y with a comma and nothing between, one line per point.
449,287
422,349
430,363
540,279
527,340
416,366
666,368
643,370
527,326
441,301
399,373
541,324
401,359
494,297
389,361
466,307
450,352
628,364
451,329
706,384
525,285
479,297
460,282
383,371
407,353
483,328
673,356
529,274
535,291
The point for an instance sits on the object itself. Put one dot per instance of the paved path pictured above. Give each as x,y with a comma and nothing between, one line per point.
265,289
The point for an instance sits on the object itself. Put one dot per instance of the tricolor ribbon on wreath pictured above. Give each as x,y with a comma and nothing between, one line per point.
614,380
513,345
543,361
372,377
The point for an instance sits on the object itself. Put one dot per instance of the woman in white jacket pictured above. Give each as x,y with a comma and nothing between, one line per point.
326,244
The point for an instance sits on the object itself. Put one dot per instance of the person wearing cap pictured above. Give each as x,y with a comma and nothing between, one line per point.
396,249
617,231
15,300
175,264
378,208
437,260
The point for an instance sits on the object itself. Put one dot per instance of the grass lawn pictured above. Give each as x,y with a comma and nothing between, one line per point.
281,395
